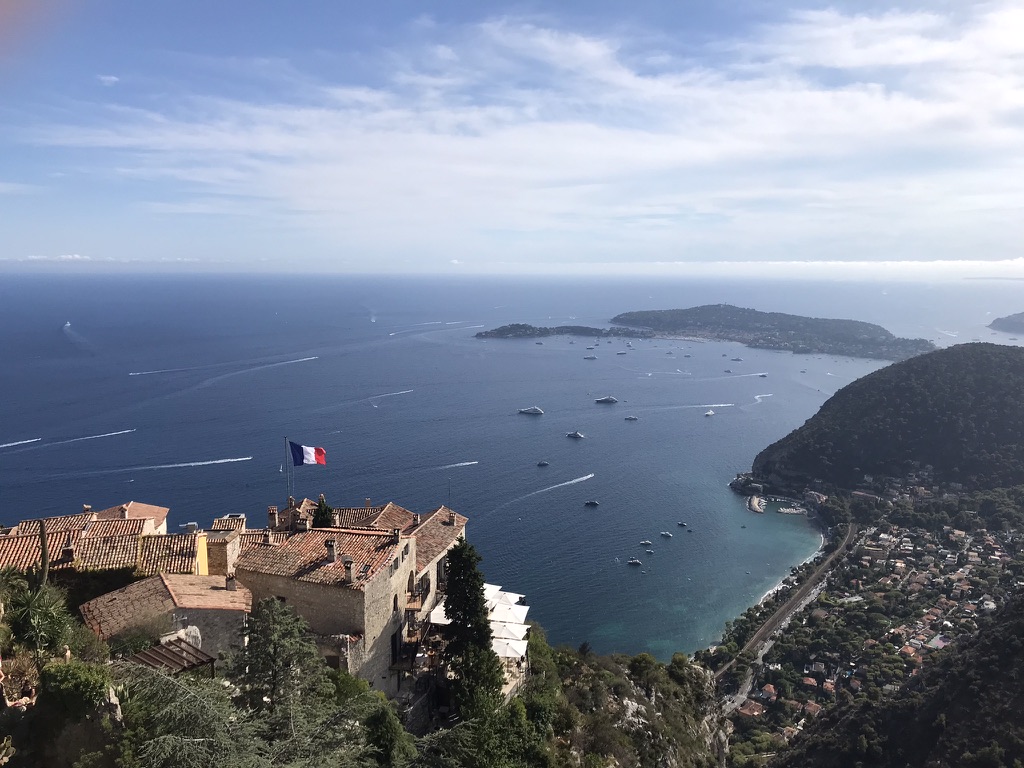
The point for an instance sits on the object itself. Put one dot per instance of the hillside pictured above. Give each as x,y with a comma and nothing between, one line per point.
959,410
777,330
1009,324
963,711
526,331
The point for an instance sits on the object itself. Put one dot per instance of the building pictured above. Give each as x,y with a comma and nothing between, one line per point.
167,603
365,585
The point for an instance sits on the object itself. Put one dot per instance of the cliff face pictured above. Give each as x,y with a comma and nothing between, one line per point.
958,410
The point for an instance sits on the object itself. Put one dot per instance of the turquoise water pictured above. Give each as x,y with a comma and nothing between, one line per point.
386,375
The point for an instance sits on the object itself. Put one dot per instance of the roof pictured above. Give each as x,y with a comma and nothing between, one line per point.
303,556
134,526
173,553
135,509
21,552
228,523
436,534
54,524
252,538
96,554
175,655
388,517
114,612
354,517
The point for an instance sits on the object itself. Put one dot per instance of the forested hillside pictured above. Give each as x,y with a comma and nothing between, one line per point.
960,410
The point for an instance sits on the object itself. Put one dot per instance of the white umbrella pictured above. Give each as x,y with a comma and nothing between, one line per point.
509,631
437,615
509,649
490,590
509,614
504,598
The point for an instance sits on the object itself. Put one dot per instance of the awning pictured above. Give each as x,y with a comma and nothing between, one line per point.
437,615
505,598
509,649
490,590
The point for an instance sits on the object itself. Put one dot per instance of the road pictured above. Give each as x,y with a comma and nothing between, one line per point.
790,607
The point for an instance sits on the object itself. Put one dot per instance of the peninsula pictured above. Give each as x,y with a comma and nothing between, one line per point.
1009,324
525,331
777,330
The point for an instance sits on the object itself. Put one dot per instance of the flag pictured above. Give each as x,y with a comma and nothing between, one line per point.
307,454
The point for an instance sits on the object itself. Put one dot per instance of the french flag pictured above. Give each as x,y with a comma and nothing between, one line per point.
307,454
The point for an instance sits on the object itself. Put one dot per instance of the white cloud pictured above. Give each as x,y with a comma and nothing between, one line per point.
827,135
108,80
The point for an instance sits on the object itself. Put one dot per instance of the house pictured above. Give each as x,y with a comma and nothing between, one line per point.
166,603
365,586
751,708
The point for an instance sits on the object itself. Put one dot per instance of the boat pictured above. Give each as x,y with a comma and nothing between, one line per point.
538,342
728,370
67,324
533,410
632,418
591,503
633,561
621,352
606,400
589,347
666,534
572,342
736,359
645,543
763,375
590,357
687,355
542,463
681,523
576,435
709,413
649,551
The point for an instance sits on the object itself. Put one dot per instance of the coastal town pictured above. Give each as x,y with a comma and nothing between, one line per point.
867,622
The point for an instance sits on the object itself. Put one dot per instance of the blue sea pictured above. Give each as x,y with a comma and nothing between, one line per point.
180,391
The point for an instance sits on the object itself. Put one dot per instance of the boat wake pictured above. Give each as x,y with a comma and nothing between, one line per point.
221,365
180,465
21,442
545,490
760,398
460,464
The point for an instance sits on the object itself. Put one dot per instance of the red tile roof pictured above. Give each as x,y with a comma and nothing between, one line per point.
252,538
436,534
172,553
388,517
135,509
21,552
97,554
229,523
55,524
206,592
100,528
353,517
304,556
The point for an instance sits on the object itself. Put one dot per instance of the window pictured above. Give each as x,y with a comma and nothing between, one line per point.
395,604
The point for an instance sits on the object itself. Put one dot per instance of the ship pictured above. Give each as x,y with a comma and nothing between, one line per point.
533,410
632,418
607,400
590,357
576,435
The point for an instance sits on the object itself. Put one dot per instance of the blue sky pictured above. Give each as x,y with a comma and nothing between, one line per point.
858,139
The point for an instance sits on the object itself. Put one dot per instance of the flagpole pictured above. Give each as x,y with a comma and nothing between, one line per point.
288,469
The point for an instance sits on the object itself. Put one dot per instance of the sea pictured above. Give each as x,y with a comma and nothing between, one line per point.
182,390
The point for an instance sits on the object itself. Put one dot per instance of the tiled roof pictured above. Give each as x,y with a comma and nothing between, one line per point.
304,556
114,612
252,538
96,554
229,523
21,552
207,592
54,524
389,516
135,509
435,534
100,528
172,553
353,517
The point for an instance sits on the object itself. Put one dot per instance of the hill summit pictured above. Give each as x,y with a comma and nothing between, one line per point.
960,410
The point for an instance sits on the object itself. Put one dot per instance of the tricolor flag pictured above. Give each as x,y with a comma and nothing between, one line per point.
307,454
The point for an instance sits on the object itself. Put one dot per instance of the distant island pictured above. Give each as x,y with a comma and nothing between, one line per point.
1009,324
777,330
525,331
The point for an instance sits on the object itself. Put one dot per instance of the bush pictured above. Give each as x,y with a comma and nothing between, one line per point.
71,690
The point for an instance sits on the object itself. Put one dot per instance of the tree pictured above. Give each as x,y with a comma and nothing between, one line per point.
478,671
323,515
40,620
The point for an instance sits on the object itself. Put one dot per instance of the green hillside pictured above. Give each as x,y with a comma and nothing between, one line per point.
1009,324
960,410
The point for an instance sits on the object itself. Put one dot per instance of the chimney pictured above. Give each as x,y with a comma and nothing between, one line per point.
272,517
67,553
268,538
416,519
229,584
348,568
336,519
367,502
332,550
396,534
302,524
87,508
451,517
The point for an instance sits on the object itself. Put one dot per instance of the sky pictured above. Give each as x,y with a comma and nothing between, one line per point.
853,138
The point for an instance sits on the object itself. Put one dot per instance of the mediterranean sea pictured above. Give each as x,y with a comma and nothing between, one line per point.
180,391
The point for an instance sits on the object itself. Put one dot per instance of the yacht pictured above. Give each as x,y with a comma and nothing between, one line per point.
577,435
681,523
542,463
621,352
632,418
645,543
709,413
763,375
591,503
633,561
590,357
533,410
666,534
539,342
606,400
67,324
736,359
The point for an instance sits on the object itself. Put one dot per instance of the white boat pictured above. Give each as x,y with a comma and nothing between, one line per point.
576,435
633,561
666,534
709,413
645,543
590,357
621,352
533,410
67,324
606,400
591,503
632,418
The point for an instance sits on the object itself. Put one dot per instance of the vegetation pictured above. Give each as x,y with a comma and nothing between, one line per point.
525,331
776,330
954,415
1009,324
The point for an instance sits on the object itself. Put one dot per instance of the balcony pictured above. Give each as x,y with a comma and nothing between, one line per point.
414,601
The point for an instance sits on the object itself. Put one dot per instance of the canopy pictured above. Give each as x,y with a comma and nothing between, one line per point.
504,598
509,614
437,615
509,631
490,590
509,649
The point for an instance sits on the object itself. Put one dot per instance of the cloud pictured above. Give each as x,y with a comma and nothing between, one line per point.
826,135
108,80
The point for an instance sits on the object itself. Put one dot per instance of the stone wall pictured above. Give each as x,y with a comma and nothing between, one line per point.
221,630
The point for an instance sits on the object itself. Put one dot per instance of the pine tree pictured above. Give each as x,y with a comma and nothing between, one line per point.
478,670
